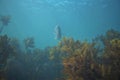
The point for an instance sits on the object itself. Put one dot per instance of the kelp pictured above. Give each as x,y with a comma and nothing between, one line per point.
5,48
88,61
29,42
77,58
69,60
112,56
5,51
81,63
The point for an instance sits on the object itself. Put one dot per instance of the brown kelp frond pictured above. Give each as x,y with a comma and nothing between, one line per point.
77,57
87,61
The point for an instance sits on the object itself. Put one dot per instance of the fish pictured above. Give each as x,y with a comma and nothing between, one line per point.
58,34
4,20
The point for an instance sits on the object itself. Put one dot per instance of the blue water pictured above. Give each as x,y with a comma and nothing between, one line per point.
80,19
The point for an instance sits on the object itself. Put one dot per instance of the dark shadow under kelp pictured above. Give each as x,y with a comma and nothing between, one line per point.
69,60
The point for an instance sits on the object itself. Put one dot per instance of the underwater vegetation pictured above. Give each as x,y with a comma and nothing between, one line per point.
29,42
77,59
18,64
69,60
5,52
5,48
86,61
5,20
111,55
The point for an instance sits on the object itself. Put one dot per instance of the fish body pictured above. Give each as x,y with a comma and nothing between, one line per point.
58,32
5,20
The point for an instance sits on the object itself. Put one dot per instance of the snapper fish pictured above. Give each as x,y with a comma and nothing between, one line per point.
58,32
